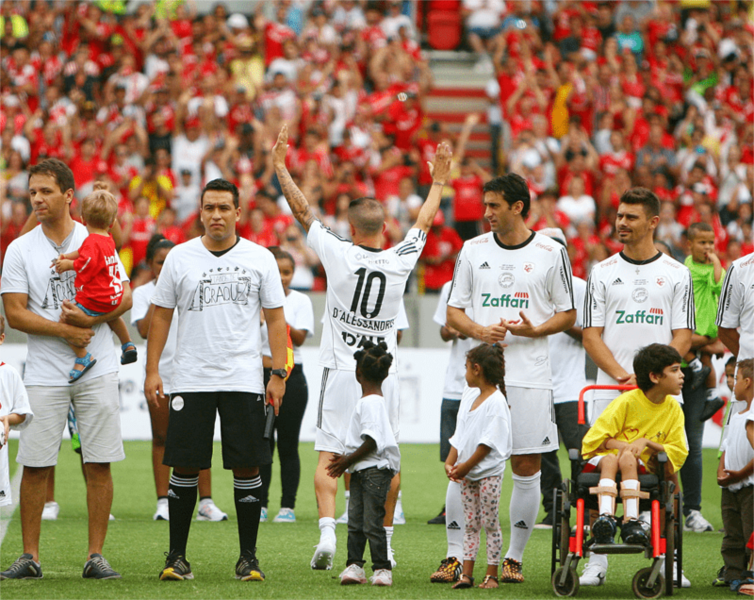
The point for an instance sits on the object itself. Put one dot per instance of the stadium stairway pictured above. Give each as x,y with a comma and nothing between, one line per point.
459,90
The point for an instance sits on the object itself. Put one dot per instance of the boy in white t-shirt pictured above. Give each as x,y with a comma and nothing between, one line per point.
14,412
735,475
372,457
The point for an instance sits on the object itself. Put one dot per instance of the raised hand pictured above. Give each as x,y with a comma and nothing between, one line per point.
280,149
440,169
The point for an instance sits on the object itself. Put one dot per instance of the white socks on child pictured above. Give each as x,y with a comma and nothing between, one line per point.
630,505
607,503
455,526
523,513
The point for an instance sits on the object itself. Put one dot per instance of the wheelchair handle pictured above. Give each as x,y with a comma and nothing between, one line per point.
582,411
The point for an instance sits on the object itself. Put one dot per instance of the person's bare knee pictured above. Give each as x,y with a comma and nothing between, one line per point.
628,466
526,465
246,473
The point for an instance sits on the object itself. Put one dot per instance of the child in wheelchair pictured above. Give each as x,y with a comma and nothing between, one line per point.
628,436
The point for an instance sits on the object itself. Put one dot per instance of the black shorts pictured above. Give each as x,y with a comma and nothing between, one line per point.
191,430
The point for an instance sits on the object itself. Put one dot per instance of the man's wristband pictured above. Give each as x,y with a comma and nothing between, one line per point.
440,183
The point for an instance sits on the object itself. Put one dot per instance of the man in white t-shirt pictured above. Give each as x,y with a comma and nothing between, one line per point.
365,286
637,297
736,309
218,283
518,284
38,301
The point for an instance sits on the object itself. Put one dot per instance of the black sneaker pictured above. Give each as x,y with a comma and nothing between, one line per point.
247,568
710,408
439,519
699,377
604,529
97,567
632,532
23,568
545,523
177,568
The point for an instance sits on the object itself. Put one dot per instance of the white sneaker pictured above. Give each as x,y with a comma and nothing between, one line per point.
595,572
263,515
324,553
685,583
382,577
697,523
51,511
286,515
354,574
343,519
112,518
162,513
398,517
209,512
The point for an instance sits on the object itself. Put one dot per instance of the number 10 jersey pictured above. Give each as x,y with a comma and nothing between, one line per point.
365,287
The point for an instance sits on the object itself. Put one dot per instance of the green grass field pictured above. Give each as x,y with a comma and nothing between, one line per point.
135,544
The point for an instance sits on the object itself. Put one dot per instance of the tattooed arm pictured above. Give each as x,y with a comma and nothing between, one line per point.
295,197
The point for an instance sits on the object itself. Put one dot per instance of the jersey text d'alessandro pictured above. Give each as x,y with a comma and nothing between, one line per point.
350,319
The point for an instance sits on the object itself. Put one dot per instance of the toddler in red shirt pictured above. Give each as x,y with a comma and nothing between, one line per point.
98,286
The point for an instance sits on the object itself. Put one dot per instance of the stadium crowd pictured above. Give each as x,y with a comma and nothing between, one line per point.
588,98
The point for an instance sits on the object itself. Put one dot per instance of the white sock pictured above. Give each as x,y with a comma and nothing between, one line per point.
523,513
327,527
630,505
606,502
389,535
696,365
455,526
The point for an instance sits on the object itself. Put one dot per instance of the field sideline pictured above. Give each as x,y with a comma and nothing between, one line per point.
135,544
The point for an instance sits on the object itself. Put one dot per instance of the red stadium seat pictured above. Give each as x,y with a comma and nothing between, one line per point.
444,29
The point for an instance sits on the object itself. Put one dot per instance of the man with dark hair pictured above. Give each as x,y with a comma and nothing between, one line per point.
38,301
218,283
633,298
365,288
518,285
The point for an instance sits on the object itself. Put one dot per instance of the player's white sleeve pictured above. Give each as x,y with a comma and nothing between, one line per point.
462,285
560,283
683,316
731,300
140,306
271,294
441,312
15,278
409,250
594,301
327,245
165,292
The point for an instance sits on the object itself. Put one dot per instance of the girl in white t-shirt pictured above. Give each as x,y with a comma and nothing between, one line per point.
479,448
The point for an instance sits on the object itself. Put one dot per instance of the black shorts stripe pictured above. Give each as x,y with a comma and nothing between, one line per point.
322,387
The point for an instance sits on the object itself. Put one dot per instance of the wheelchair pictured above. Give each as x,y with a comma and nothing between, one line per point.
569,545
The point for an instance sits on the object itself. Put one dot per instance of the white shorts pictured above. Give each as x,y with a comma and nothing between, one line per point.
338,395
532,420
97,414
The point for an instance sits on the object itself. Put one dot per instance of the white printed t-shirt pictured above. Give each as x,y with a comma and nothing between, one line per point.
370,418
738,450
455,375
498,281
218,301
13,399
364,292
299,314
27,270
736,307
567,355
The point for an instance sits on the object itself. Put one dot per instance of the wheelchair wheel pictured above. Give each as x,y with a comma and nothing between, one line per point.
679,530
639,584
569,588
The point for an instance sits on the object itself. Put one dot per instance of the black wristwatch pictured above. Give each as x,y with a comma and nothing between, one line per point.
282,373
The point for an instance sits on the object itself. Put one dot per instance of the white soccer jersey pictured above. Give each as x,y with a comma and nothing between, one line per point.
637,305
567,355
364,292
455,375
218,301
142,297
26,270
498,282
13,399
736,307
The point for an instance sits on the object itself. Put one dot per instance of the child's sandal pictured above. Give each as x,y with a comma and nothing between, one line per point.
129,354
87,362
487,579
465,582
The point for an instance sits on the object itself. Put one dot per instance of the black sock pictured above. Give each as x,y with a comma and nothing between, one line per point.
181,503
247,494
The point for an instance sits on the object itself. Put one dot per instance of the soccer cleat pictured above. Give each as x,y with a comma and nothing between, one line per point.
699,377
604,529
97,567
177,568
720,579
398,517
162,513
286,515
51,511
343,519
594,574
263,515
697,523
247,568
632,532
512,571
23,568
449,571
382,577
209,512
545,523
353,575
439,519
324,553
710,408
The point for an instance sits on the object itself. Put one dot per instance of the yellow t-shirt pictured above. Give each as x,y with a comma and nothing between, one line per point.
632,416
